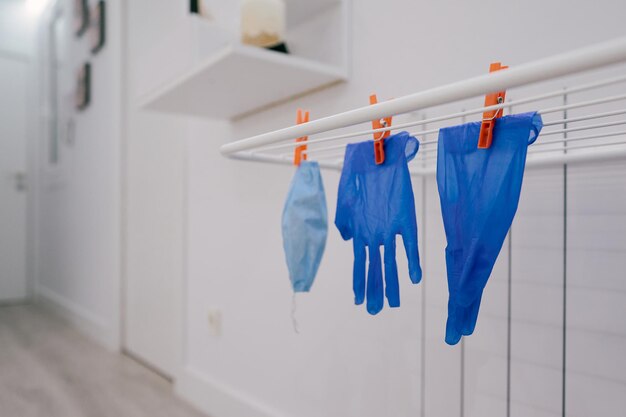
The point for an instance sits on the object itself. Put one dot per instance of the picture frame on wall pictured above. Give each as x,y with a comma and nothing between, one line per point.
83,87
200,7
97,29
81,17
194,6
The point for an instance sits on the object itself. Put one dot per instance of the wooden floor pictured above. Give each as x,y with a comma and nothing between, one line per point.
48,369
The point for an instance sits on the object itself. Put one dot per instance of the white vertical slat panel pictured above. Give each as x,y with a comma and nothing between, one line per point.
417,299
442,362
596,290
400,375
537,296
485,353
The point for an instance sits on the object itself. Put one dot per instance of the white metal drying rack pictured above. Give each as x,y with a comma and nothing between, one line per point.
277,146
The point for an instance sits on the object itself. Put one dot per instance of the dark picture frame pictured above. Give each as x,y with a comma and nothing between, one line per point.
83,87
97,30
194,6
81,17
200,8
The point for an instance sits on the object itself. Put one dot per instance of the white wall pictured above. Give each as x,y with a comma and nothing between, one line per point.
79,237
345,362
155,152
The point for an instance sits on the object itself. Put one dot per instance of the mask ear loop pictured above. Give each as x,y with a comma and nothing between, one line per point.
294,321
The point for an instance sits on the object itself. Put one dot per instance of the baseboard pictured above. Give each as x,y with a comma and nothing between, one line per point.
86,322
218,400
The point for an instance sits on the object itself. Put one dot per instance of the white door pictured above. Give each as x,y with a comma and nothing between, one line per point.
13,112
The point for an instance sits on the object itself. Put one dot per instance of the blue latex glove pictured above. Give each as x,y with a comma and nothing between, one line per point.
479,191
305,225
374,204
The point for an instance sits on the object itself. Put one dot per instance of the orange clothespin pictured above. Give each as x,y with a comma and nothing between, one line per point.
379,137
489,117
298,155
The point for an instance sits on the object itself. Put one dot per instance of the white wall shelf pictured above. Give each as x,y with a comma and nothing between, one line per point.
238,79
200,69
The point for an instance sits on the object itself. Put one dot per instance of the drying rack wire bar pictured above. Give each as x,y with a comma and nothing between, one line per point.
463,113
561,141
585,117
561,131
259,148
579,128
532,161
570,106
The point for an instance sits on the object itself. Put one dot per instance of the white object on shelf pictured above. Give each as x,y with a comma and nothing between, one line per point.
263,22
200,68
277,146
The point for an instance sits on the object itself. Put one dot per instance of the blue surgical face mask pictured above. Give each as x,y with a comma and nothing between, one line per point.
305,225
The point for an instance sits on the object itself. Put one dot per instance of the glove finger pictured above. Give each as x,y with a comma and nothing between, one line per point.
471,317
392,288
461,320
358,272
374,281
453,324
409,238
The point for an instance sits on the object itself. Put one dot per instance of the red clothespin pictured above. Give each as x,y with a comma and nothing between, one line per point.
379,137
298,155
489,117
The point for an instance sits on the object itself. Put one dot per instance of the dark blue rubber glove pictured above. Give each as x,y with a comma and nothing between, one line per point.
375,203
479,190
